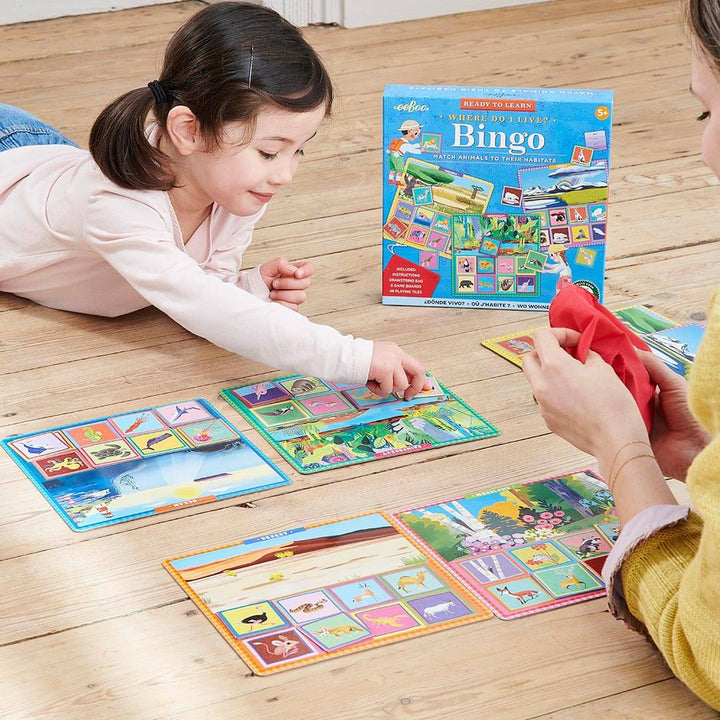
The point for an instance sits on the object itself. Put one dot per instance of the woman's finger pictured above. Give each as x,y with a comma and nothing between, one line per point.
659,372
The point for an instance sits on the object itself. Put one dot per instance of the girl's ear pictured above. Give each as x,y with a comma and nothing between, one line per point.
183,130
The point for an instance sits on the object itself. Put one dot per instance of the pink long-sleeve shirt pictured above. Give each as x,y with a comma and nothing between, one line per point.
72,239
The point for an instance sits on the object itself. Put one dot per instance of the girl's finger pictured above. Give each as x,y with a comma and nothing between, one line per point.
566,337
400,380
385,385
547,344
593,357
296,297
291,283
304,269
285,267
374,387
290,305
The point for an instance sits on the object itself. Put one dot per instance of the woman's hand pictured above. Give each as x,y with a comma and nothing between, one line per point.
286,281
393,370
676,436
586,404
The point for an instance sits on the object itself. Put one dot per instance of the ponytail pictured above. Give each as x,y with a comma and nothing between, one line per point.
121,149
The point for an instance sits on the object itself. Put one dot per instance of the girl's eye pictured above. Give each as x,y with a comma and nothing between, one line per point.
300,152
268,156
703,116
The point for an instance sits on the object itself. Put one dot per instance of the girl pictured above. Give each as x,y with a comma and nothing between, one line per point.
161,216
663,574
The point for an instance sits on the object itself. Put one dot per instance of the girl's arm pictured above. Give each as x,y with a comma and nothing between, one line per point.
231,237
145,254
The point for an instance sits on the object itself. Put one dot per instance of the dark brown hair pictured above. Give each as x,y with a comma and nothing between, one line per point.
227,63
702,18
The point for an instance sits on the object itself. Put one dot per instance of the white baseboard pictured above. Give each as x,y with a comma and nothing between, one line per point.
360,13
348,13
12,11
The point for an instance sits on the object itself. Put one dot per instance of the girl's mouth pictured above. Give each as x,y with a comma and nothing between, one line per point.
262,197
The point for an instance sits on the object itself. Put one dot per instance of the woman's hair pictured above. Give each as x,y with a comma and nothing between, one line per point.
702,18
226,64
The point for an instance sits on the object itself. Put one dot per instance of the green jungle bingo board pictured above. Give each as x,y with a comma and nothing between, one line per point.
317,425
140,463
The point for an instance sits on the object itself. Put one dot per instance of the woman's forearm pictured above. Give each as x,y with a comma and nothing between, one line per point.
634,479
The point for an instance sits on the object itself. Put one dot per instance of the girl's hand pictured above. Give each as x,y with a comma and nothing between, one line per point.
286,281
393,370
676,436
586,404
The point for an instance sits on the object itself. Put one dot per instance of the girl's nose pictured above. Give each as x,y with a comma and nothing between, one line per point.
283,173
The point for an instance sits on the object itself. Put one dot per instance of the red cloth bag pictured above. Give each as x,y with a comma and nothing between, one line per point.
577,309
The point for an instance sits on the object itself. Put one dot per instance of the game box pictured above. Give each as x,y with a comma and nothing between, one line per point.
493,197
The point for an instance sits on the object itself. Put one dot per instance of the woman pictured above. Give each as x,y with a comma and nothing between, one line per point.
663,574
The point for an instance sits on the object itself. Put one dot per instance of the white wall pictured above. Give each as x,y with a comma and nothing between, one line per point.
13,11
348,13
359,13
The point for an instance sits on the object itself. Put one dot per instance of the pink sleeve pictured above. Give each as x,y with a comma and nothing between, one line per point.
144,252
641,527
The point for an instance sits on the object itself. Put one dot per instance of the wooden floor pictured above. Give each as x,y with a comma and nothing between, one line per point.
91,626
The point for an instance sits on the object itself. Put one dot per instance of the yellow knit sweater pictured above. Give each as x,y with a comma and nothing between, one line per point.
672,579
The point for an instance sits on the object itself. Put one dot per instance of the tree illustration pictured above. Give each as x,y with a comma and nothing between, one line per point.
436,534
501,524
570,496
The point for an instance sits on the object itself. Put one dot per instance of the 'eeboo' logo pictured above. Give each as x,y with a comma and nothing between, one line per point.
507,104
411,106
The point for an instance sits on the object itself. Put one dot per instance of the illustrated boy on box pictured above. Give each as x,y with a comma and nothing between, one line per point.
410,130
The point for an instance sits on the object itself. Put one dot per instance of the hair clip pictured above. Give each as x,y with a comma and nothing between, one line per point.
252,56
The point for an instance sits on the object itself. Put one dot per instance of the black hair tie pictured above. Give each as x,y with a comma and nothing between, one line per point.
158,92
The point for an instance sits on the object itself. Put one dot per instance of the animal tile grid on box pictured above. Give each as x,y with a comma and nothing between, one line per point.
676,345
496,255
298,596
317,425
493,197
141,463
524,548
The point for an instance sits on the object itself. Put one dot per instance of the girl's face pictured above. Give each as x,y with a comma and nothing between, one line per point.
244,177
706,88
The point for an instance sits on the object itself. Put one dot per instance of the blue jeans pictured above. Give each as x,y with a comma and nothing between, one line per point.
19,128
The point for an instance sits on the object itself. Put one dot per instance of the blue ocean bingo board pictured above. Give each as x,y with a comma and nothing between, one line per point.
141,463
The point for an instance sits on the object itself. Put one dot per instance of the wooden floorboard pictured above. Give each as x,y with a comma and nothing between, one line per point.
93,627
